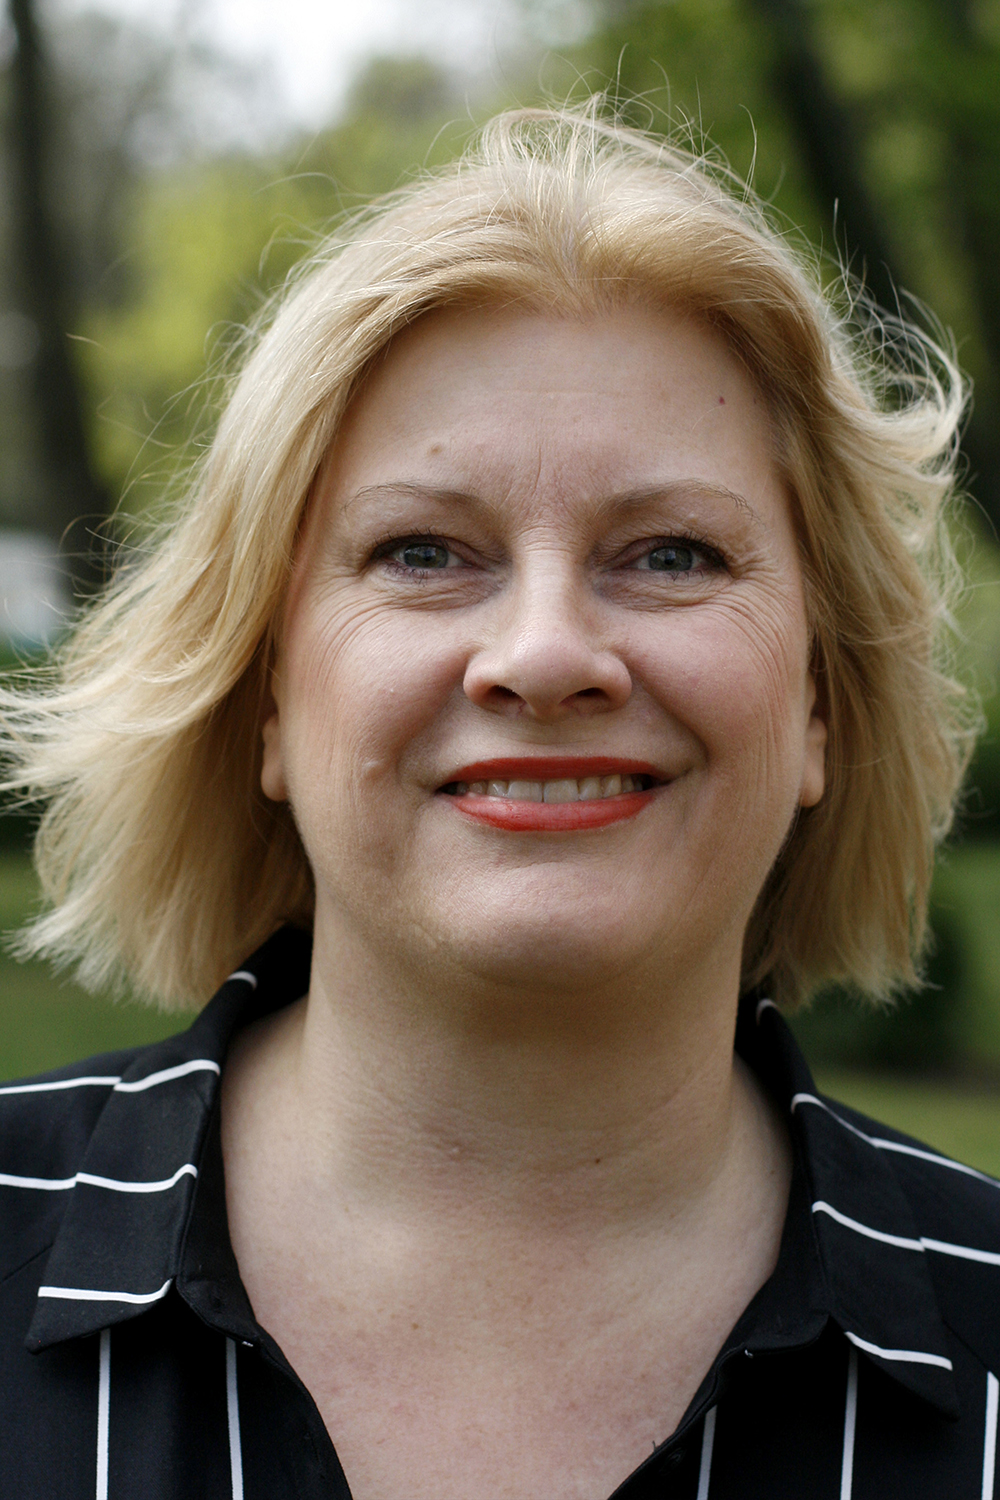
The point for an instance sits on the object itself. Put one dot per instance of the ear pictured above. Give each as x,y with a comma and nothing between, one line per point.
814,750
272,770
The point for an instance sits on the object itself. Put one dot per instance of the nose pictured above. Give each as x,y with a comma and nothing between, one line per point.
545,659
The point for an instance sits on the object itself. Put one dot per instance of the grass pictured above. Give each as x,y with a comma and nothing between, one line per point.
45,1021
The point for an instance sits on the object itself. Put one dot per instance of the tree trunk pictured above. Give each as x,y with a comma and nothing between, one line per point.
833,156
77,504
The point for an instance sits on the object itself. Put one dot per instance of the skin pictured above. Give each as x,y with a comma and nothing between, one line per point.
497,1185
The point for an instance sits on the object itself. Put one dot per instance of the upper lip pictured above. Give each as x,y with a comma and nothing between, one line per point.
552,768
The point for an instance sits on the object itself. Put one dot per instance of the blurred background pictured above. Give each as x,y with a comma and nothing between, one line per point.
163,163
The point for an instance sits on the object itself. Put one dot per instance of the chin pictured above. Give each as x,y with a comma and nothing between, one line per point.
574,951
566,969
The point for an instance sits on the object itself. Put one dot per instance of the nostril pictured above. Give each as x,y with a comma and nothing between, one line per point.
553,678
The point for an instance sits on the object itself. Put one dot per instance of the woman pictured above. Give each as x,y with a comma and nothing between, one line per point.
553,638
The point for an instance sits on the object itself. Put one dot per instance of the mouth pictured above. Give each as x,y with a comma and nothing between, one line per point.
548,794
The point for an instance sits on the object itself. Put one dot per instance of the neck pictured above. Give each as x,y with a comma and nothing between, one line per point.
470,1100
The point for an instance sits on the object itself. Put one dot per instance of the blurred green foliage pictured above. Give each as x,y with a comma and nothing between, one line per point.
210,239
916,81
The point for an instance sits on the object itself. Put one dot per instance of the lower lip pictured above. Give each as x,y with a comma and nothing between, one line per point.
551,817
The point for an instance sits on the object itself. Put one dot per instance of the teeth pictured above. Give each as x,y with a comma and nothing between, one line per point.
562,791
587,789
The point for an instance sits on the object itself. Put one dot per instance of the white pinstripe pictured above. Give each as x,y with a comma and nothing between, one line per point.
990,1436
902,1242
963,1252
850,1426
115,1184
84,1294
233,1415
103,1413
114,1080
901,1356
707,1445
90,1081
165,1075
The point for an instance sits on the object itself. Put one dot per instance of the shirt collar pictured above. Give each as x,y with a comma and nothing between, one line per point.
876,1284
851,1251
120,1242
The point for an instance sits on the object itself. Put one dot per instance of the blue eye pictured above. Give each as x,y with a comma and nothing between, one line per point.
678,557
422,555
672,558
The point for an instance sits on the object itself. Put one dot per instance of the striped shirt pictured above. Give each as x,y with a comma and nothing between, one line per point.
132,1364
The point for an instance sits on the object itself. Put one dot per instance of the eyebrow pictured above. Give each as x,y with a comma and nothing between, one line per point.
407,490
680,489
673,490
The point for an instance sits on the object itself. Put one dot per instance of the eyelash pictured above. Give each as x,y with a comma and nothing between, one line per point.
391,542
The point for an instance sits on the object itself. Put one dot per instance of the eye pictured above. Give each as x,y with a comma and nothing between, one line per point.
678,556
422,555
419,554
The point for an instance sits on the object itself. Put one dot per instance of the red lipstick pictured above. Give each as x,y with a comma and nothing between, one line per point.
522,816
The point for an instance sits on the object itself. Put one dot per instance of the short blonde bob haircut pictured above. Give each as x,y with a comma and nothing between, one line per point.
161,860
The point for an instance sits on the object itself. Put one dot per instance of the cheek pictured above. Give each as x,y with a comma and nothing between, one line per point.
737,679
359,686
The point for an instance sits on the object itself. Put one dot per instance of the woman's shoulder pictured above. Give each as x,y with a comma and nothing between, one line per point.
47,1123
954,1212
932,1181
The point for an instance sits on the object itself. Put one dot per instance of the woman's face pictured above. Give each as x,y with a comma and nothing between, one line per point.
551,553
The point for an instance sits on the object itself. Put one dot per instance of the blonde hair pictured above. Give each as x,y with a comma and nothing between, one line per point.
160,857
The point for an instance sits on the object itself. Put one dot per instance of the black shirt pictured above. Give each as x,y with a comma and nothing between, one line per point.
131,1364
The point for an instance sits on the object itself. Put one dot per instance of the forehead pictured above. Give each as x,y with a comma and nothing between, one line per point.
521,405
